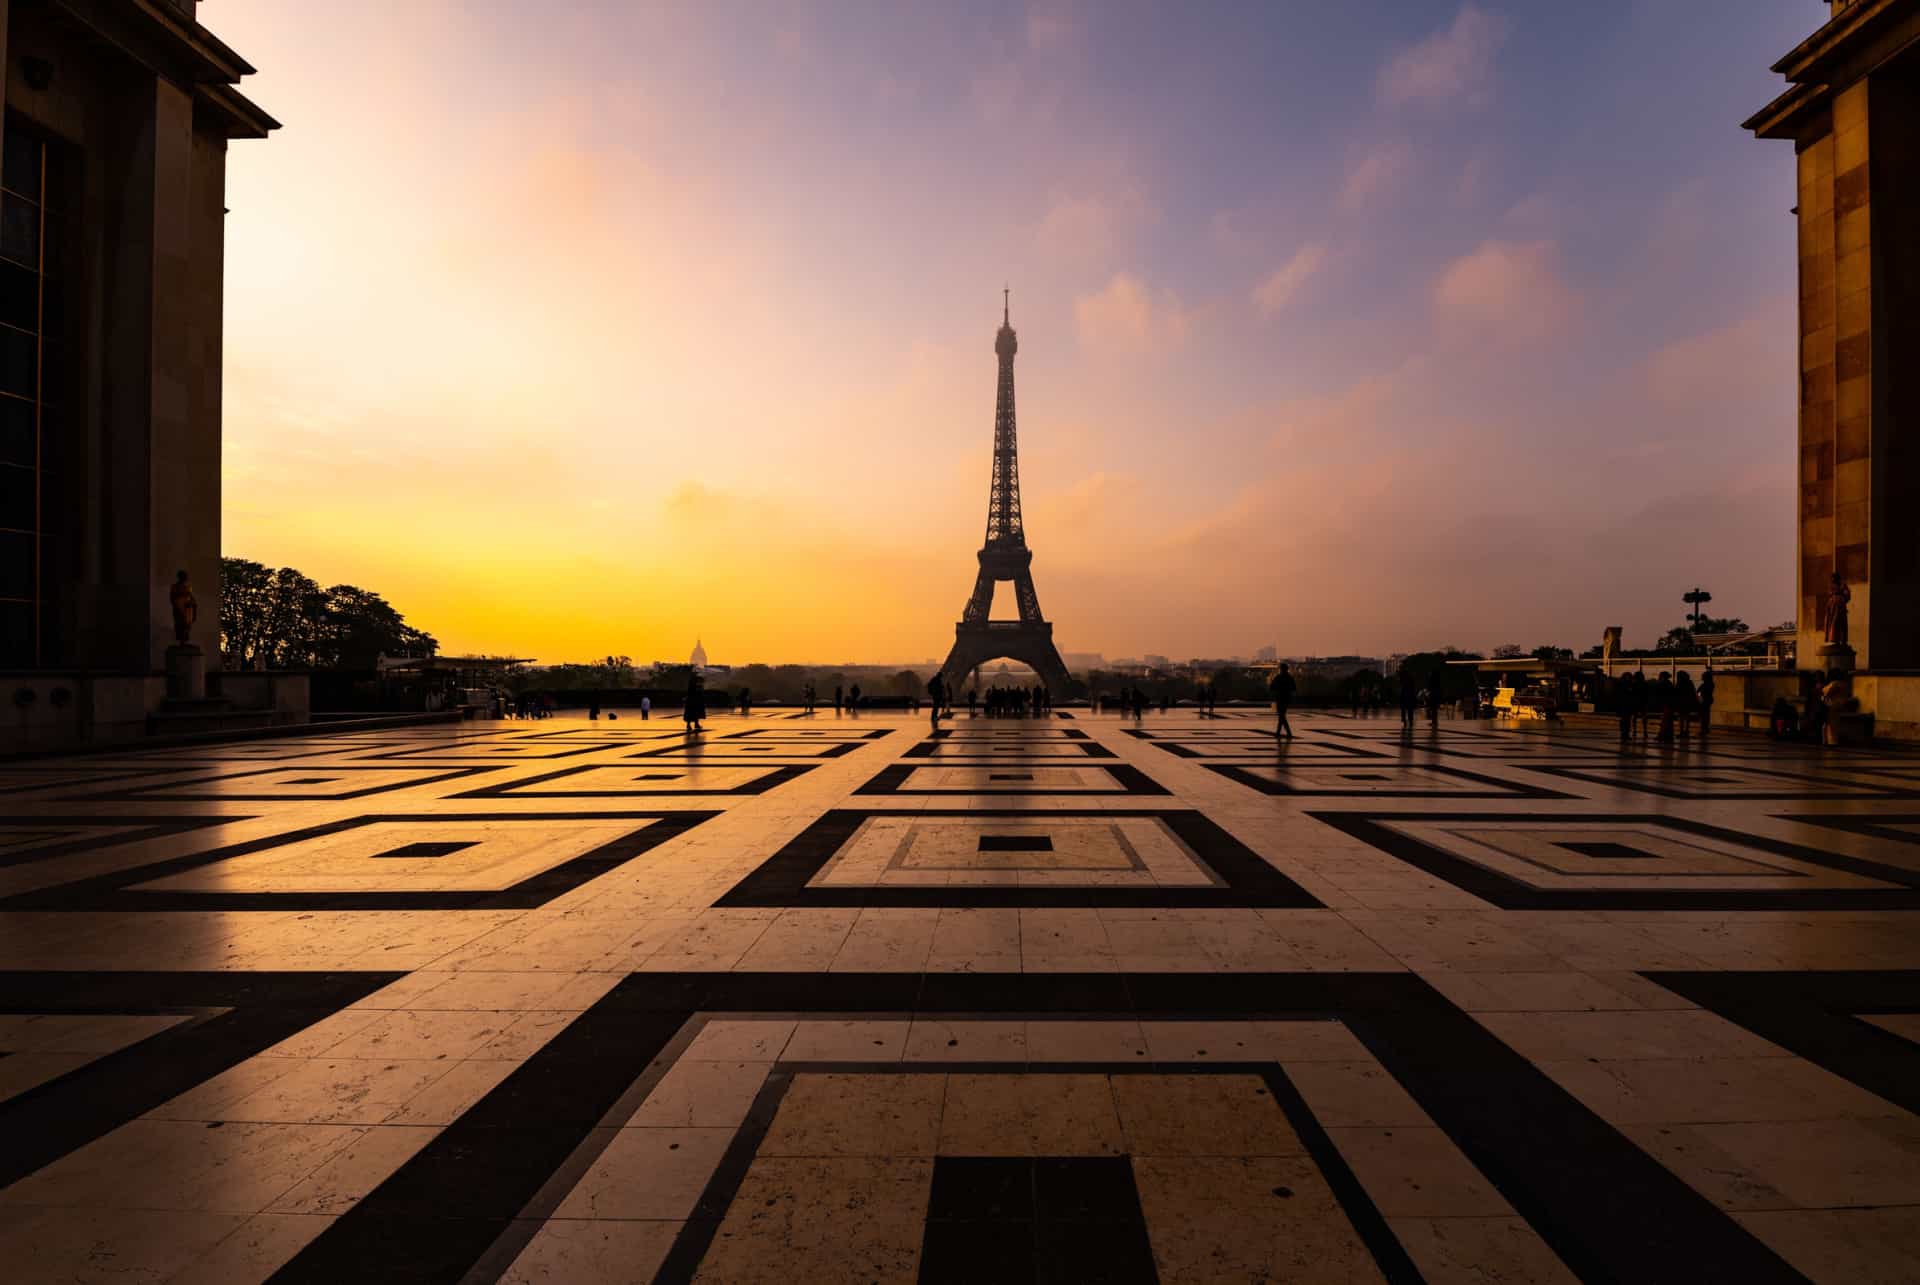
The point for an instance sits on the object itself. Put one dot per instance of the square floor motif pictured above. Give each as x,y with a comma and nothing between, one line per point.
494,749
1011,778
1386,780
603,782
287,784
1618,861
1303,1129
1172,858
450,861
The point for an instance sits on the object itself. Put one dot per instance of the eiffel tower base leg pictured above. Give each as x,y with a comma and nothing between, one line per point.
1032,647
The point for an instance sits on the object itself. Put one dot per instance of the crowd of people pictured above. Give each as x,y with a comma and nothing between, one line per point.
1673,701
1010,702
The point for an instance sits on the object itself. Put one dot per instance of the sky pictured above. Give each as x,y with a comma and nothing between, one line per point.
588,327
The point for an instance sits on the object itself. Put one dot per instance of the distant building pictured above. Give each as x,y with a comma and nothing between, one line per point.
1081,661
699,658
1266,655
1157,661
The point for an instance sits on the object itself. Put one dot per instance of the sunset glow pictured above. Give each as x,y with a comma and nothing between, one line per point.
587,327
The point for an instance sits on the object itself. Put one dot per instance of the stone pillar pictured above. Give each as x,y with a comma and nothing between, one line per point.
1859,233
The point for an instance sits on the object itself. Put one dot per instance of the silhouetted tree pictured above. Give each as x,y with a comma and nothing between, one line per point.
284,620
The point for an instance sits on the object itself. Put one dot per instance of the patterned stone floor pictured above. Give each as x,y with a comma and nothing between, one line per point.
824,999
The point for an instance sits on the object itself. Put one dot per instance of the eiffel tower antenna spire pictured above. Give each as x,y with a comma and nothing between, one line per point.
1004,555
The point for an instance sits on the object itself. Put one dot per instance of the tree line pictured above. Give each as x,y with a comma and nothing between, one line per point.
278,618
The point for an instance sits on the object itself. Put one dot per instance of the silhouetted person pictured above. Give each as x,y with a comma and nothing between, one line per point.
1685,701
1706,702
1282,689
646,708
1814,725
1784,723
694,711
1433,702
1622,694
853,699
1641,697
1409,698
1663,699
937,689
593,711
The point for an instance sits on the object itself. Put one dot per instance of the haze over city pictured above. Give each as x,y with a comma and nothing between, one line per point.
1346,328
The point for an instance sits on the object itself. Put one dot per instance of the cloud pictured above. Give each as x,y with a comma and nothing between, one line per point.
1377,172
1509,290
1049,28
1455,64
1731,381
1092,225
1126,316
1273,294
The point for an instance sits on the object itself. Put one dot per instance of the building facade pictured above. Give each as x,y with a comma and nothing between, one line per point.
1852,113
112,209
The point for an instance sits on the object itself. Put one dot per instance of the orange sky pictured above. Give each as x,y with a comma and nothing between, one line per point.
574,329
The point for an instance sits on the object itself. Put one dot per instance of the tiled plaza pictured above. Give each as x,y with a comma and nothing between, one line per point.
1083,999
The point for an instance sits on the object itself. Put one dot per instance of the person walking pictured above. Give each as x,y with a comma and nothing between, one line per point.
694,709
937,689
646,708
1282,689
853,699
593,710
1409,698
1706,702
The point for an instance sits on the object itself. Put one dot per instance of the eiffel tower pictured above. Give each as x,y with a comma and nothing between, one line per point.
1004,556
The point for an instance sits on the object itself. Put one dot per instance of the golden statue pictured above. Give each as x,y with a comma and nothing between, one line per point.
185,608
1835,617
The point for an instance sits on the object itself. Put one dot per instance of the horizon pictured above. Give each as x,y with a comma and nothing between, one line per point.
1493,331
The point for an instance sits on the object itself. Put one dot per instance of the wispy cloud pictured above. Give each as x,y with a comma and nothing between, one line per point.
1448,66
1378,171
1506,290
1278,290
1129,317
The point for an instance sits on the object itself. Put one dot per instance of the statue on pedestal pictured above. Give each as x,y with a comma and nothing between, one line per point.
185,608
1834,618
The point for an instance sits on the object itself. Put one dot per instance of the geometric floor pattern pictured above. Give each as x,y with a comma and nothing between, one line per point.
820,999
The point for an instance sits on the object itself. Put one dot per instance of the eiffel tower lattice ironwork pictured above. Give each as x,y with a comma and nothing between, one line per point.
1005,556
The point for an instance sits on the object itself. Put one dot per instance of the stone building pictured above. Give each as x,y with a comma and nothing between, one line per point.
1853,115
113,170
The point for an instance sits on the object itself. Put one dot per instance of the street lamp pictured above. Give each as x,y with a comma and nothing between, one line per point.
1697,598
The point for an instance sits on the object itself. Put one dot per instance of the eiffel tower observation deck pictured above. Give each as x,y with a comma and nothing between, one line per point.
1004,556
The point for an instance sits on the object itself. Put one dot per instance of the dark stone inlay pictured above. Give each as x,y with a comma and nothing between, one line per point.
658,776
93,832
1608,851
312,780
1015,843
236,1015
1009,776
1052,1218
427,849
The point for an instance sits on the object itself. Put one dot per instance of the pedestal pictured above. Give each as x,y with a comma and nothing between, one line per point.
1836,658
186,673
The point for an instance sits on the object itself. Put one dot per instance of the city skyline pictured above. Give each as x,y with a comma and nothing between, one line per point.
1328,338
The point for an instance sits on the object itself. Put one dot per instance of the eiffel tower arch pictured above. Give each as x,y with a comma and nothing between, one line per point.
1004,557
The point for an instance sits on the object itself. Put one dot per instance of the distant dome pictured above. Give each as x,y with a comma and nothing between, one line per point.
699,660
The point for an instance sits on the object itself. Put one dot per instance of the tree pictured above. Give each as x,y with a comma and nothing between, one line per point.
246,591
615,671
282,619
1550,652
1508,651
